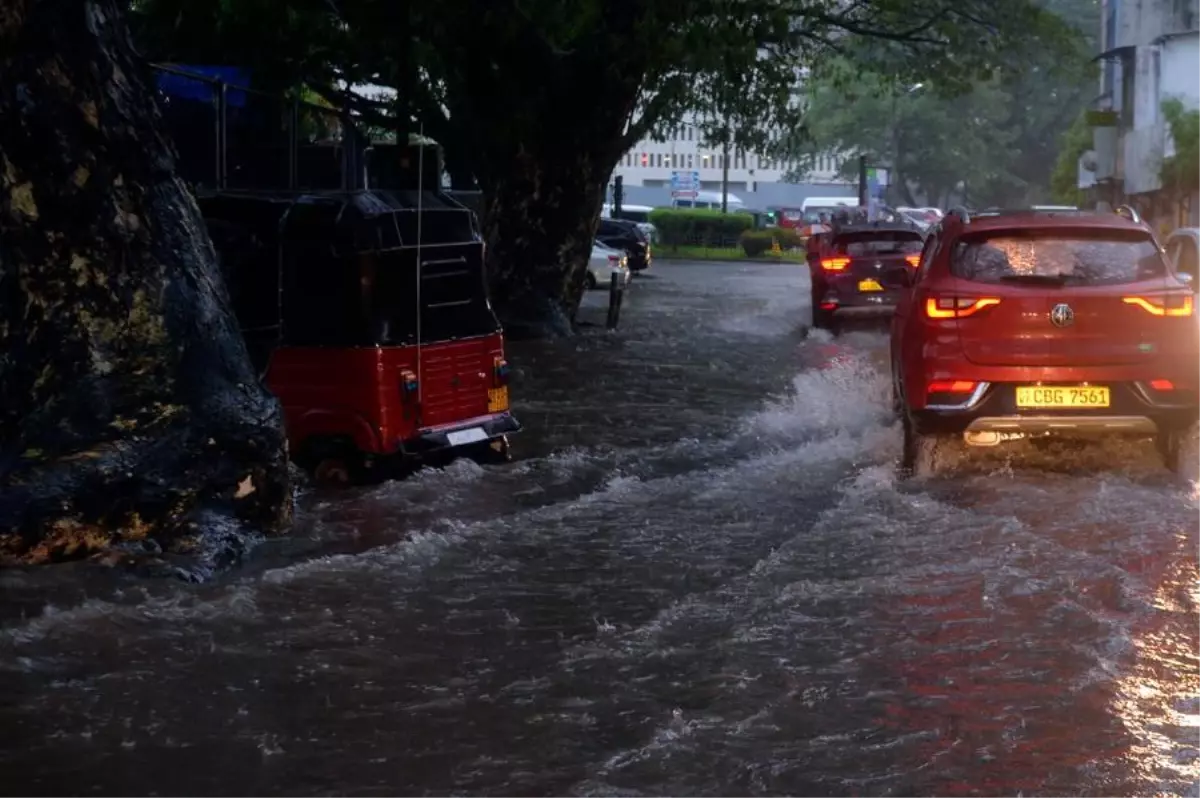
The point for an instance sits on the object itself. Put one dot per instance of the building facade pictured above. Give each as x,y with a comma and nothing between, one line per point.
1151,54
650,164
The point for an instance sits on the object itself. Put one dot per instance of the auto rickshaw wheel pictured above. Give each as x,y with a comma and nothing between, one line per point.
332,472
331,462
493,452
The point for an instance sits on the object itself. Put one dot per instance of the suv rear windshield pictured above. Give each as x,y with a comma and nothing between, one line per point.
1072,256
883,242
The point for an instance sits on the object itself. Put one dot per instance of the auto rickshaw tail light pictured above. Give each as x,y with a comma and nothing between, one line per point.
408,381
500,371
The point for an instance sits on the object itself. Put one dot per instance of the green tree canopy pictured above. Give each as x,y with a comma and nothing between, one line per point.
538,99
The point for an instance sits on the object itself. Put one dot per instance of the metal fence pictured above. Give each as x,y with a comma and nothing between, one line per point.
229,136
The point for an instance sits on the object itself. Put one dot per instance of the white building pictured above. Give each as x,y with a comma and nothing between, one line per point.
1151,54
650,164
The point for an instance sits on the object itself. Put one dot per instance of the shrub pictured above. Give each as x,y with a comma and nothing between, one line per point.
755,243
787,237
683,226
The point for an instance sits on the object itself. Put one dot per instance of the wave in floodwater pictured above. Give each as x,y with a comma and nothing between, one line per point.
768,610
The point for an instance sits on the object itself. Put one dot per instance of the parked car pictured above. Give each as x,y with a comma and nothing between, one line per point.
628,237
1031,324
603,264
638,214
1183,248
861,267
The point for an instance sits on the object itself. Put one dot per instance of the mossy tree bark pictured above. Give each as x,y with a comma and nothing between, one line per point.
130,417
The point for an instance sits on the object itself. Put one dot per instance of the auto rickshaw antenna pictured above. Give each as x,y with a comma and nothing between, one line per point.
1129,212
420,218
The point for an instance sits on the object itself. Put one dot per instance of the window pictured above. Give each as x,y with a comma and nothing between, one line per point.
658,159
927,255
1058,257
645,160
689,160
705,160
1187,259
886,242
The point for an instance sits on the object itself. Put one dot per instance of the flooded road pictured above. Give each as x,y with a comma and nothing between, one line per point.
701,577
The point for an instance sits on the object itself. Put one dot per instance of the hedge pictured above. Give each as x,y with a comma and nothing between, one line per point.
684,226
758,242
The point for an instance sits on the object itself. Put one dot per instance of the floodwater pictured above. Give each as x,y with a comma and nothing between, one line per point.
701,577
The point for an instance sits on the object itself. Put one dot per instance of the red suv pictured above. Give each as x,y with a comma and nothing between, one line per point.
1023,324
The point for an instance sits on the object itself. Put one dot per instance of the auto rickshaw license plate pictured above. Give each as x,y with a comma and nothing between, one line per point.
865,286
1052,396
497,399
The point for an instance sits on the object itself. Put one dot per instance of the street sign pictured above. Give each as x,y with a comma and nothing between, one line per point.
685,181
684,194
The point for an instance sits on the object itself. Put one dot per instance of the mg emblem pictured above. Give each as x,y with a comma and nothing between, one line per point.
1061,315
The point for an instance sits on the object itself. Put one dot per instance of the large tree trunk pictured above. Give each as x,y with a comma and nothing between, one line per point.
130,418
540,217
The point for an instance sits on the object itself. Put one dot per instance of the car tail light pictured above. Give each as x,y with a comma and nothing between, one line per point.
834,264
614,258
957,307
500,371
408,383
1174,305
829,305
951,386
913,260
1162,385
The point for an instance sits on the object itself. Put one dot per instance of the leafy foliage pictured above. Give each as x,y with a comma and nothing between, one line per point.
1181,172
536,100
995,131
1064,180
682,226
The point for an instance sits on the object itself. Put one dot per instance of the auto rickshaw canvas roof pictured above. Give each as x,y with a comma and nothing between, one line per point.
351,221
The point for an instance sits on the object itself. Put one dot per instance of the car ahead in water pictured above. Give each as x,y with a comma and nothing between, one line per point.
603,264
1027,324
629,238
861,268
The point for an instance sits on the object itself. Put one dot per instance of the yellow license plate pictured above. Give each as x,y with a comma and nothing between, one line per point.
497,399
1054,396
869,285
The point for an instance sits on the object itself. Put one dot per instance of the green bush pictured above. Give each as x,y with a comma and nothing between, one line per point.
692,226
787,237
755,243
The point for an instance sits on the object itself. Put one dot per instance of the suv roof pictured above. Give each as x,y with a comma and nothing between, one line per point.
875,227
985,221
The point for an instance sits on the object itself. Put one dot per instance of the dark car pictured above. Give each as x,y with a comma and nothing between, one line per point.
625,235
861,267
1044,324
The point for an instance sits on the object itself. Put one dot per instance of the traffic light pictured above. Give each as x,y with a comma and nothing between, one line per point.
618,195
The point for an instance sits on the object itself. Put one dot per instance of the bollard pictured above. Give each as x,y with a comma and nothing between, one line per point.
616,291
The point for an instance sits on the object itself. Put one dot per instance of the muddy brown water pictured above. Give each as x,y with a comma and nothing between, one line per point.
701,577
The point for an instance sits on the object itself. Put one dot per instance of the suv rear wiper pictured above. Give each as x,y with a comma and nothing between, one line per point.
1036,279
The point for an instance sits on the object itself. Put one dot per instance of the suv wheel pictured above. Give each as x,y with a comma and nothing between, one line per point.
1169,445
925,455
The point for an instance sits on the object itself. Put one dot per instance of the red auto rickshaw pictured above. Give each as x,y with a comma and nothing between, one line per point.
369,318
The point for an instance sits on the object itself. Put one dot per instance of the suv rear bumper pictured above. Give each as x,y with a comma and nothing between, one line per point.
1133,410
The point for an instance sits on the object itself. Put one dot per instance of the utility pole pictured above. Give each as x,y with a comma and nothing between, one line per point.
862,181
725,168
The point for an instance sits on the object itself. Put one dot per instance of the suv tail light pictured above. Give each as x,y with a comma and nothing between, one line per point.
834,264
1174,305
957,307
913,260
